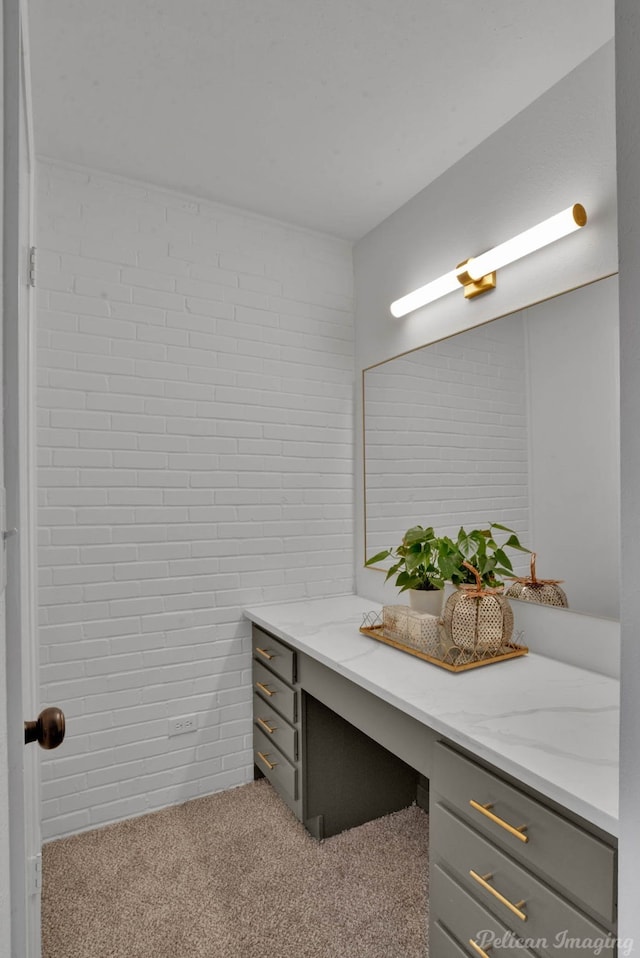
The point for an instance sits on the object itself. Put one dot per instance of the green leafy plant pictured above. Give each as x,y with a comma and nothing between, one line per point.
425,561
480,549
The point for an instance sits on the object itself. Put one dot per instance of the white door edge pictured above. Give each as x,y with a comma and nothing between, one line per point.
27,467
19,479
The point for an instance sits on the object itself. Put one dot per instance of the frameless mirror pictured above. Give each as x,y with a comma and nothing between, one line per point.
517,422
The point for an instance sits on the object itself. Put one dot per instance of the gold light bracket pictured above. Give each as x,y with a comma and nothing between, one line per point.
474,287
478,273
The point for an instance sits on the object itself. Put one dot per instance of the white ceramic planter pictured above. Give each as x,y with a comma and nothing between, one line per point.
421,600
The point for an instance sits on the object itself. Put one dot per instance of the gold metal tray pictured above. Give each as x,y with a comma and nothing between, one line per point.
510,651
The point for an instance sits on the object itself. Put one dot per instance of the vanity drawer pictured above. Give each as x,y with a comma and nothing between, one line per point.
442,945
271,652
277,693
564,854
464,917
277,730
524,904
278,769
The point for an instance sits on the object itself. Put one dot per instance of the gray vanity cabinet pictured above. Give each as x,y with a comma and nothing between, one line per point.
321,758
277,717
509,868
452,907
500,854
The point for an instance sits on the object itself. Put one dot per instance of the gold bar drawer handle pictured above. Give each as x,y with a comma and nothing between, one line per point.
478,950
265,725
486,810
263,652
263,688
483,881
270,765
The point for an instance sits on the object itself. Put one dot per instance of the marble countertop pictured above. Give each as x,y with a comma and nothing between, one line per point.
552,726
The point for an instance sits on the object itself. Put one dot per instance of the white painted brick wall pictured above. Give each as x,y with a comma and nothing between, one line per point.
446,437
195,455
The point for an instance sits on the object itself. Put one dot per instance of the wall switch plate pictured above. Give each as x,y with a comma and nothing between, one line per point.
183,724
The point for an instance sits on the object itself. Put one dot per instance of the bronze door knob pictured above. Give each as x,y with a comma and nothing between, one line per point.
48,729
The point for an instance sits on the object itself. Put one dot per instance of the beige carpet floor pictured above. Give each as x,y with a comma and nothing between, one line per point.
234,875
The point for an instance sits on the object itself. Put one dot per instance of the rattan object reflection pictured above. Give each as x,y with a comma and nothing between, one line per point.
542,591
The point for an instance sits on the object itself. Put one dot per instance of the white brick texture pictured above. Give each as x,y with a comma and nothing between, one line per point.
195,406
447,437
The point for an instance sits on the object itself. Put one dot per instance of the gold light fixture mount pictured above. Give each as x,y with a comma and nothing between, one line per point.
474,287
477,274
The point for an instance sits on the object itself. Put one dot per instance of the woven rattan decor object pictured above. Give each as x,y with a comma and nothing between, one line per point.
424,636
542,591
476,625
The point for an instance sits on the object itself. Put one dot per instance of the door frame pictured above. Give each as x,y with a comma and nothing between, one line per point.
19,480
28,480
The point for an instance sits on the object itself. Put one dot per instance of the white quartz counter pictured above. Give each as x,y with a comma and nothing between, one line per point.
550,725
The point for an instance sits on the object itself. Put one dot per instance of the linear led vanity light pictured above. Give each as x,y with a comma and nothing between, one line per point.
478,274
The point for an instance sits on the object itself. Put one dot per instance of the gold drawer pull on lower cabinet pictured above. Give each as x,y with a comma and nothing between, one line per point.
478,950
265,725
264,653
263,688
270,765
486,810
483,880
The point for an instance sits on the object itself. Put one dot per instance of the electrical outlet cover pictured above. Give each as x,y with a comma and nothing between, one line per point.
182,724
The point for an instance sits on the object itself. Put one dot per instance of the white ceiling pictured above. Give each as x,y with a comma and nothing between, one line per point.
325,113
